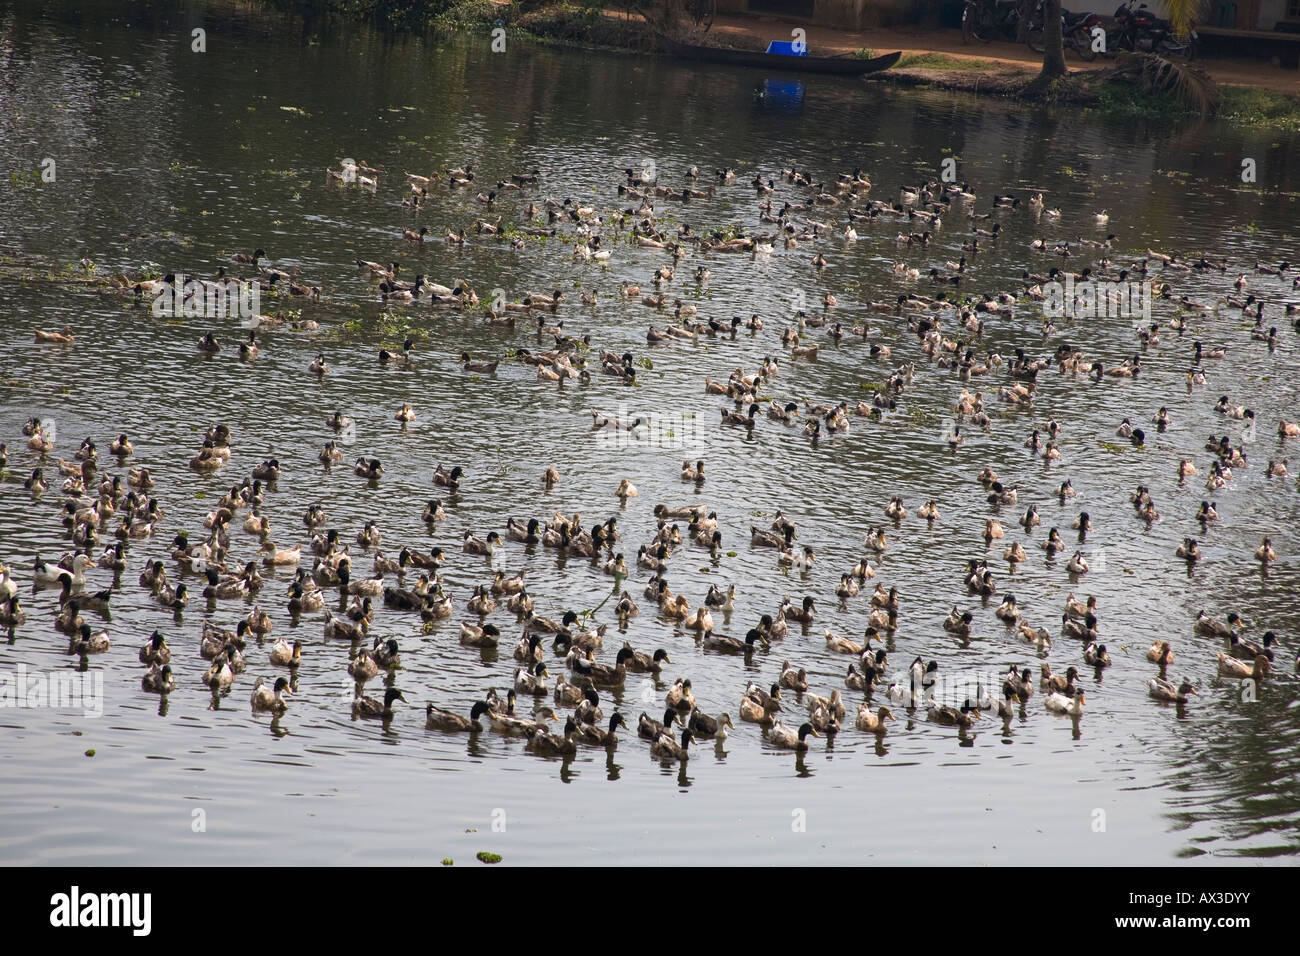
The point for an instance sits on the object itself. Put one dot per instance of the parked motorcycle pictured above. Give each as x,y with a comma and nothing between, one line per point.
985,20
1140,30
1076,33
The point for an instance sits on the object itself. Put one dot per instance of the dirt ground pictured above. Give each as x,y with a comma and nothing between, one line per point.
825,41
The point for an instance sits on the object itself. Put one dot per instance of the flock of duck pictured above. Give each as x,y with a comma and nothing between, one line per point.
105,502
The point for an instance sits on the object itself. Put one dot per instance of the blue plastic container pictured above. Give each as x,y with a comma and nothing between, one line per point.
786,48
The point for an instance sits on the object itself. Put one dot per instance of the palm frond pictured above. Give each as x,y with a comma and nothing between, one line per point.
1153,73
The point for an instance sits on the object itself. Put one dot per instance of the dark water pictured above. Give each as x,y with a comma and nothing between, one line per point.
175,160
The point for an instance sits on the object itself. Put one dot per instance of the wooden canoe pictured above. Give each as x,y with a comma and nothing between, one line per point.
837,65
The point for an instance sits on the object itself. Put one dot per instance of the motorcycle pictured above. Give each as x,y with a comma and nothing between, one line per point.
984,20
1140,30
1076,33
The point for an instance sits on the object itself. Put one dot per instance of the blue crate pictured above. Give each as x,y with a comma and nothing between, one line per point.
786,48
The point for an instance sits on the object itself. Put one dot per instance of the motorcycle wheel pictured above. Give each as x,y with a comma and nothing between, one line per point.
1179,51
1034,39
968,29
1081,41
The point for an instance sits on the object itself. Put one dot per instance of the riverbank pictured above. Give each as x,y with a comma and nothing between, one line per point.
1251,92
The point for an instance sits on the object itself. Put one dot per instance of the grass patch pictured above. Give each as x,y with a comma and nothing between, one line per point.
942,61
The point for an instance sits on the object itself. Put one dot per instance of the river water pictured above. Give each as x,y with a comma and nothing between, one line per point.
174,160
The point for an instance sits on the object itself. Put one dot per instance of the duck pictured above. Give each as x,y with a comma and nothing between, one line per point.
699,619
369,707
86,641
481,546
958,622
963,717
1058,684
1018,684
593,733
873,723
158,679
220,675
1233,667
675,608
665,747
792,678
370,468
782,736
11,612
284,654
843,645
532,681
473,635
1161,652
759,703
303,601
435,718
549,744
344,628
650,729
258,621
724,644
1095,655
176,598
680,696
1080,609
1161,689
1085,630
1211,628
704,727
1007,610
448,479
155,650
506,721
1250,650
719,600
1060,704
803,613
271,699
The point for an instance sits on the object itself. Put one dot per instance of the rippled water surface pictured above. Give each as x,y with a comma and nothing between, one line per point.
176,160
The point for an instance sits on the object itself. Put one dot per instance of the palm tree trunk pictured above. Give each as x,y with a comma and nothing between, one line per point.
1053,42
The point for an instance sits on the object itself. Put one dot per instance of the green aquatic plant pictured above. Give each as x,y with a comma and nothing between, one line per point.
484,857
